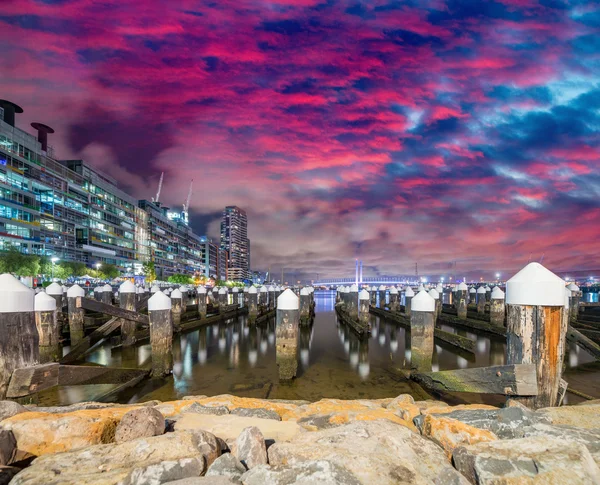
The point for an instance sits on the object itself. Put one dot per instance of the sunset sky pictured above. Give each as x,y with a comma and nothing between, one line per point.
457,134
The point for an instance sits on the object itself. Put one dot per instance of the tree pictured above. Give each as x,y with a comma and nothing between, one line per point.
19,264
108,272
180,279
68,269
149,271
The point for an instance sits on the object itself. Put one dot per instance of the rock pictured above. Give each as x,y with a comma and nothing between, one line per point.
580,416
449,476
8,447
319,472
145,461
450,409
7,473
376,452
591,402
450,433
227,465
202,481
256,413
430,403
331,420
505,423
230,426
200,409
542,460
194,398
401,399
10,408
80,406
283,408
250,447
140,423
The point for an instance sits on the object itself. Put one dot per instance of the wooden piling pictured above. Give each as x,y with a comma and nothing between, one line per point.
161,334
286,334
536,329
472,296
202,302
373,294
433,293
304,306
56,291
352,307
408,296
19,341
363,308
574,300
271,289
176,309
481,299
76,315
106,296
394,303
422,325
382,291
488,294
48,329
497,307
462,302
252,304
127,298
263,297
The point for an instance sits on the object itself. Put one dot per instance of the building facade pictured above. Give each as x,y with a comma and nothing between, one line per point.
234,240
69,210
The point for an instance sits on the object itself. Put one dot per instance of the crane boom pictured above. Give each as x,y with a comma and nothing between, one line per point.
186,206
160,182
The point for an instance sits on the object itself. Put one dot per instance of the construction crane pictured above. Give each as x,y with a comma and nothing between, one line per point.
186,206
160,182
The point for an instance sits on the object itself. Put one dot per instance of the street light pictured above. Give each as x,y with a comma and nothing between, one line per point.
54,260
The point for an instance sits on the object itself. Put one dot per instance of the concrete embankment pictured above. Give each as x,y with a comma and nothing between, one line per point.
227,439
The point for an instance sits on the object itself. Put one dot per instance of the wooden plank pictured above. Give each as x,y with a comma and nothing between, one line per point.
510,380
584,342
358,328
471,324
111,395
29,380
97,306
72,375
92,339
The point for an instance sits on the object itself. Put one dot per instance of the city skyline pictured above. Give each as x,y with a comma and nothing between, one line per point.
453,134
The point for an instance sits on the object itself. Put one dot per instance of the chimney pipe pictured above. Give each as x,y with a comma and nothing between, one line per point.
43,131
10,109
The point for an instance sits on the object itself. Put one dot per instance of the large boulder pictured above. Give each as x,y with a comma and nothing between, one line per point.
8,447
140,423
319,472
145,461
250,447
227,465
230,426
375,452
581,416
10,408
200,409
256,413
539,459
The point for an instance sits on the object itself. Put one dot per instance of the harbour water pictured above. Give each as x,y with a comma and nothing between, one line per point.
235,358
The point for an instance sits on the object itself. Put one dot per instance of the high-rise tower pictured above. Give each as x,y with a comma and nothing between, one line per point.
234,239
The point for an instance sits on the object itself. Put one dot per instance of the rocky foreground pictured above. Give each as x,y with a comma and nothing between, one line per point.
226,440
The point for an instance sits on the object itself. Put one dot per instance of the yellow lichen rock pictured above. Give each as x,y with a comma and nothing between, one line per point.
451,433
448,409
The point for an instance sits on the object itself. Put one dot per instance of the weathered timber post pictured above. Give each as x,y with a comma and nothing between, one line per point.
338,295
271,289
154,289
422,325
433,293
286,334
352,308
235,296
56,291
488,293
223,297
19,341
139,293
408,296
106,296
304,305
263,297
497,307
76,315
48,330
536,329
363,308
246,296
462,302
202,302
394,304
574,302
176,309
161,334
472,296
382,290
184,297
127,297
481,299
252,304
373,293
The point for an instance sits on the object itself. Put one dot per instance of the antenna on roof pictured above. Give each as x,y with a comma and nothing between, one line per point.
160,182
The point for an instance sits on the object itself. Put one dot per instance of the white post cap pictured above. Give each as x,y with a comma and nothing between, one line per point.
154,289
183,288
363,295
572,287
382,288
487,288
202,290
14,295
421,287
472,290
535,285
271,288
64,288
373,288
176,294
139,290
253,290
481,290
422,302
75,291
246,289
393,290
263,289
223,291
54,289
462,287
127,287
434,294
107,287
409,291
159,301
44,303
497,294
288,301
353,289
305,291
235,289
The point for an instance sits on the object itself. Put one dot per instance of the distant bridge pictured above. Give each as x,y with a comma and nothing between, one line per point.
374,281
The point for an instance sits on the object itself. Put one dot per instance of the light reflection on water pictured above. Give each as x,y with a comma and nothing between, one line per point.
235,358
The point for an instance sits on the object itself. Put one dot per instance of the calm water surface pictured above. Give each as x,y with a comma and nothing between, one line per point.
235,358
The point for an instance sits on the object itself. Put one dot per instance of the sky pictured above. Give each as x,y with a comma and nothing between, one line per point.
462,135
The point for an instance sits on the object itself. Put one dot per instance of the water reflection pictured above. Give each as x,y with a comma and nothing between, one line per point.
237,358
